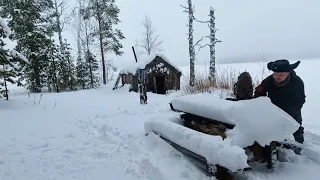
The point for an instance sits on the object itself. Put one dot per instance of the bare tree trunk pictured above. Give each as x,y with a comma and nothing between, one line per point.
90,72
88,52
55,78
6,89
191,47
58,15
212,67
101,44
90,63
79,29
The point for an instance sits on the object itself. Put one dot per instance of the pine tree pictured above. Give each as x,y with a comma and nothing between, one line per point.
52,70
105,12
71,71
10,61
82,73
66,69
92,65
32,24
87,74
87,71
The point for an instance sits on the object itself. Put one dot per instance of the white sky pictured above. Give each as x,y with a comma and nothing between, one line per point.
248,28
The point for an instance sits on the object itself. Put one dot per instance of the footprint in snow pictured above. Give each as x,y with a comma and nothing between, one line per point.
49,137
69,135
38,147
101,116
16,153
46,150
69,151
100,155
150,170
185,174
144,169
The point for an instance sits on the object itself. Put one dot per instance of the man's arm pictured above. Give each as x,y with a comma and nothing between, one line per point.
262,89
300,97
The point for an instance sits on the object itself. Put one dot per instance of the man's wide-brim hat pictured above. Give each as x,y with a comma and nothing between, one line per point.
282,65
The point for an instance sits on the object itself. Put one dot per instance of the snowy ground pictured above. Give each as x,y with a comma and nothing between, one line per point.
99,134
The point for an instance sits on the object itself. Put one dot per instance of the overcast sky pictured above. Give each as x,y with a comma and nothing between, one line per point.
248,28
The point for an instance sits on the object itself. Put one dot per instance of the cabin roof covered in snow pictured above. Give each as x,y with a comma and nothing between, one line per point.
144,61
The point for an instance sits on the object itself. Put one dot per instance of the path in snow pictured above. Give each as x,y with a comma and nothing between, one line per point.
82,136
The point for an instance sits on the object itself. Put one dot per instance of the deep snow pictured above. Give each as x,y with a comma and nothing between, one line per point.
213,148
99,134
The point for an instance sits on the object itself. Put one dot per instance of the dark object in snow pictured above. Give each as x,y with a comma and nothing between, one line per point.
5,93
141,78
243,88
290,97
142,86
116,85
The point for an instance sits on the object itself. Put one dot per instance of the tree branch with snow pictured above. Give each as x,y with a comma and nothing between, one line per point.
11,62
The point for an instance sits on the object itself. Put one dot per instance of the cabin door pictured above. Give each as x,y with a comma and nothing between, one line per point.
154,84
159,84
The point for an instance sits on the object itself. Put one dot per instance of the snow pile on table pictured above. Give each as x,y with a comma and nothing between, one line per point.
213,148
205,105
255,120
143,61
261,121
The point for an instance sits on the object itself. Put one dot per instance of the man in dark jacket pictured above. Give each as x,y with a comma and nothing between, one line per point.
286,90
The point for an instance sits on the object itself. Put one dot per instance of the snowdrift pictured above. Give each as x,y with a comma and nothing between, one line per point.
255,120
213,148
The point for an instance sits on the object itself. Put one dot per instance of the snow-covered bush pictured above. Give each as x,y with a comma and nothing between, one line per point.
225,80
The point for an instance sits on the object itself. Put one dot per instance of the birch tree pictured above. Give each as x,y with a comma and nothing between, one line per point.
60,25
87,70
66,62
213,41
190,10
150,41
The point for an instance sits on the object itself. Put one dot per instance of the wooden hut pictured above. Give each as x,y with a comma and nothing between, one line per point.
161,74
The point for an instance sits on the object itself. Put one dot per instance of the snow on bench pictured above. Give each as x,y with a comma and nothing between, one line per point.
255,120
213,148
204,105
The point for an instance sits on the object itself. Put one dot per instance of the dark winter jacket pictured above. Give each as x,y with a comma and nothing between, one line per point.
289,97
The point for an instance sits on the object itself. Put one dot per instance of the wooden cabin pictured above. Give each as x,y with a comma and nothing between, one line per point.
161,74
